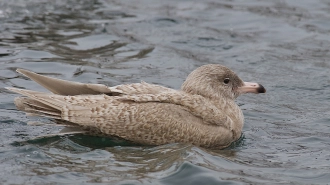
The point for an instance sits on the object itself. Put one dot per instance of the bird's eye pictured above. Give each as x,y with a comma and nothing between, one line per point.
226,80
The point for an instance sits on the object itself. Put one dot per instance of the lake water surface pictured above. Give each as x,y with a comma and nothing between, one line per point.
283,45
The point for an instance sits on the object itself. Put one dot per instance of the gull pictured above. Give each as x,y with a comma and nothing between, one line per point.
203,112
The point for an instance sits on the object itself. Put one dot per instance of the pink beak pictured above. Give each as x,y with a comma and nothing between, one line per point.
251,87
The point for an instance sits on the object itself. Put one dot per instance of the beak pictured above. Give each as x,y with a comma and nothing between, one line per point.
251,87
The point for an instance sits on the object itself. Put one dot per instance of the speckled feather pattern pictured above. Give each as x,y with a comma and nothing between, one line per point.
203,113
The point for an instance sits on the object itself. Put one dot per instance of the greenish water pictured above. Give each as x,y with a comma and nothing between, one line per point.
283,45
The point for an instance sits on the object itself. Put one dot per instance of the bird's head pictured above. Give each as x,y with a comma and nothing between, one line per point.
217,81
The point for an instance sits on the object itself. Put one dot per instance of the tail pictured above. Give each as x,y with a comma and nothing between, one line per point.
45,104
36,104
35,108
40,104
55,106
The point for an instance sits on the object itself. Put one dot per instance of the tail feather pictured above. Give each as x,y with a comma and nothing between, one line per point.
63,109
44,112
35,108
38,103
52,106
37,99
24,102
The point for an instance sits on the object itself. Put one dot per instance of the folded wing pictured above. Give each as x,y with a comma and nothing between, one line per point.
64,87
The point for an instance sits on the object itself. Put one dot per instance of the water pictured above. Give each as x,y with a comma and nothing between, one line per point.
283,45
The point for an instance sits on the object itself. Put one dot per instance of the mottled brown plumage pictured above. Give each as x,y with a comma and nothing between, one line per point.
203,112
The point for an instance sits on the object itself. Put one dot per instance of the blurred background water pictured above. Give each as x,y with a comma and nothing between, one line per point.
282,44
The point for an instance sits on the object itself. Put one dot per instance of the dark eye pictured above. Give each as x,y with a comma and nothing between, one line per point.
226,80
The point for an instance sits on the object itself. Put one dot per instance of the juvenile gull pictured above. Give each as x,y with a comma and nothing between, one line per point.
203,112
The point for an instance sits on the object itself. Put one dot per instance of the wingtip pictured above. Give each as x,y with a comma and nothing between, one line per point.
23,71
19,70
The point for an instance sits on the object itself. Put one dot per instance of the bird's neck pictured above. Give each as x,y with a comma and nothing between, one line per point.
233,111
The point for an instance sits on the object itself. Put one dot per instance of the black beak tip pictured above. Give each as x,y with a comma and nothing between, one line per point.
261,89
